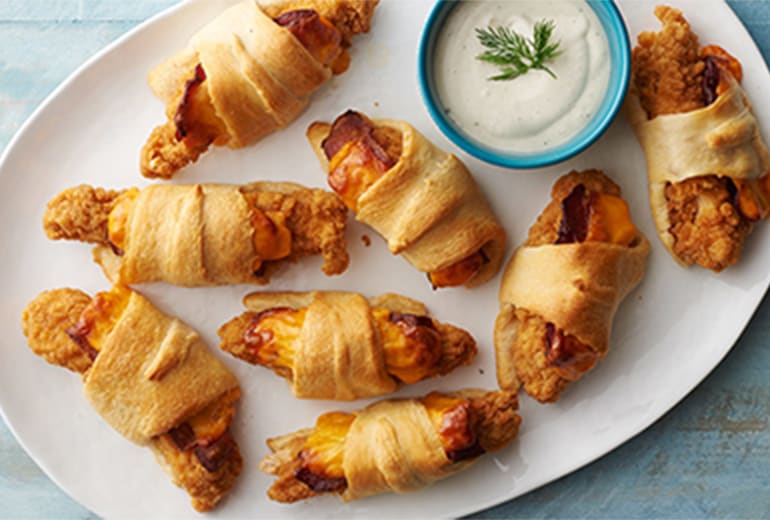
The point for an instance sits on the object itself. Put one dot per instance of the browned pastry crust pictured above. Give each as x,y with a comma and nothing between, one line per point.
48,323
540,378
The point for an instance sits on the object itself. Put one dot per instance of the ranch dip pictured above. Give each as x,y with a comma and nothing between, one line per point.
533,112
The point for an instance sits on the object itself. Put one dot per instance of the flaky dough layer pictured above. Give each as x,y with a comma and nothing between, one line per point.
427,206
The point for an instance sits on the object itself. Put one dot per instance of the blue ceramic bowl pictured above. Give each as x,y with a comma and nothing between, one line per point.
620,72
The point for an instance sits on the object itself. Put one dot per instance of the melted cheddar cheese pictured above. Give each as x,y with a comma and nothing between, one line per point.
610,221
272,239
412,351
213,421
323,453
100,316
353,170
271,337
117,221
458,273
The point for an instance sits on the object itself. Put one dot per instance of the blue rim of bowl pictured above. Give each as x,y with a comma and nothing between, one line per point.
620,71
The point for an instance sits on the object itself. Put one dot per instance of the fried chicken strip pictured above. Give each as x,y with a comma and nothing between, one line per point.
206,467
546,360
673,75
312,461
288,223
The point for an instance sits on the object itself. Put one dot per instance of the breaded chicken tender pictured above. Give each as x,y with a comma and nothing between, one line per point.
668,70
542,379
45,322
80,213
668,67
316,220
288,224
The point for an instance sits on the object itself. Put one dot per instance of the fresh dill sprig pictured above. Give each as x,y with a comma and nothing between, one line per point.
515,54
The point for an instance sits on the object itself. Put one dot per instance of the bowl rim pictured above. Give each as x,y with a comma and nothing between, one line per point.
597,126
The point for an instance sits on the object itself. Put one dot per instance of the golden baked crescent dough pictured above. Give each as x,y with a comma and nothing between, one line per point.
720,139
184,235
577,287
247,73
427,206
561,289
398,445
343,346
251,66
152,372
150,377
392,446
338,354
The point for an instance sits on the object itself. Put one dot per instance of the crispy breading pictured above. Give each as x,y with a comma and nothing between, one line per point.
458,348
541,379
668,70
80,213
350,17
284,463
316,219
45,321
667,66
163,154
498,419
231,337
707,227
206,488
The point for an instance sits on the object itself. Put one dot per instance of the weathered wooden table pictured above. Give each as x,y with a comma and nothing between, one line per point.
709,457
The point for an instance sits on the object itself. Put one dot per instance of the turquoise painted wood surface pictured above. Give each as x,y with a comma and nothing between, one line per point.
708,457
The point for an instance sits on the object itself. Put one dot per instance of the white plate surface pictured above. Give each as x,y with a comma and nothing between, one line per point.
668,335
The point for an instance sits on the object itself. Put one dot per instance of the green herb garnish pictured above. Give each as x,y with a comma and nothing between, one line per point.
515,54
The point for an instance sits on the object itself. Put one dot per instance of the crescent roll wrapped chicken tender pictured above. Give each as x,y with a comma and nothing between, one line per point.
421,199
561,289
150,377
339,345
397,445
247,73
707,163
202,234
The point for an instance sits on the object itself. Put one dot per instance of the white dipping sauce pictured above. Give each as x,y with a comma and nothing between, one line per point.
533,112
